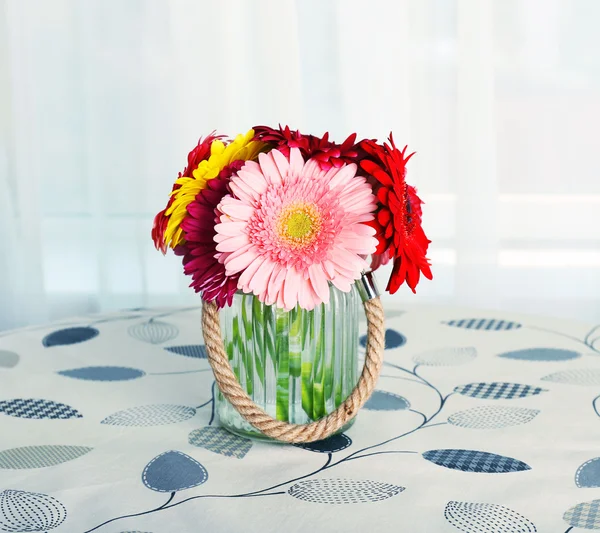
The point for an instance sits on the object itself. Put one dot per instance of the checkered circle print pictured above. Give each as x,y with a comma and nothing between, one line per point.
38,409
475,461
498,390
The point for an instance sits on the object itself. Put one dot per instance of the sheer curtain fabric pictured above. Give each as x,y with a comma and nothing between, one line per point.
102,100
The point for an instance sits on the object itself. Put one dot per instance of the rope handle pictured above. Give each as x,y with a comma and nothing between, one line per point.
284,431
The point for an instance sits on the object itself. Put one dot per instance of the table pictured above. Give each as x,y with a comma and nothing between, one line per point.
482,422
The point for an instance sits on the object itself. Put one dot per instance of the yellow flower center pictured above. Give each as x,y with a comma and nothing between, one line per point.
298,224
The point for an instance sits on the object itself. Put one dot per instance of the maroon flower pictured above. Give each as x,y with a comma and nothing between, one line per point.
327,153
200,256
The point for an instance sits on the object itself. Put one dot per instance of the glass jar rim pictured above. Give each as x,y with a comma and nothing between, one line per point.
240,292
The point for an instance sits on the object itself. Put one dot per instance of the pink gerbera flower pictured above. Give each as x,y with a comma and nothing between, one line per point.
290,227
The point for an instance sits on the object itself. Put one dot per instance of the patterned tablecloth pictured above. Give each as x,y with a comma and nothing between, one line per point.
482,422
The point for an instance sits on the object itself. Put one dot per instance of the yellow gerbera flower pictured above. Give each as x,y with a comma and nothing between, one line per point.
242,148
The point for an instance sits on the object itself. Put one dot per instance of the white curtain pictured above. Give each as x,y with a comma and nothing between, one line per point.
100,101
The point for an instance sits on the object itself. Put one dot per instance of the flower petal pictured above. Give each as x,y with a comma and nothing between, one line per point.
260,280
319,283
307,297
349,260
269,168
236,209
296,162
275,284
283,165
231,229
232,244
240,259
293,281
248,274
342,283
343,176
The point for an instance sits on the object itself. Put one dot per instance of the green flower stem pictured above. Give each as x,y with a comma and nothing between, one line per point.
298,346
236,335
230,349
283,368
307,366
319,409
295,342
307,389
307,327
258,339
246,349
337,398
269,330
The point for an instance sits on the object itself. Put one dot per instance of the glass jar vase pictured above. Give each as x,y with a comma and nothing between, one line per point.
297,365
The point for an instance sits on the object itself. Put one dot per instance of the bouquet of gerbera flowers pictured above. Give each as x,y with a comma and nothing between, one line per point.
281,215
289,221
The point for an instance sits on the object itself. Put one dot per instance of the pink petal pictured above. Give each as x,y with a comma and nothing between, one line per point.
240,259
362,188
342,283
342,270
331,172
357,219
351,191
296,162
283,165
356,243
319,282
251,181
233,244
236,209
293,280
231,229
260,280
344,176
312,168
364,230
280,302
329,268
358,204
247,275
221,257
357,183
351,261
219,237
276,284
269,168
251,166
306,297
241,192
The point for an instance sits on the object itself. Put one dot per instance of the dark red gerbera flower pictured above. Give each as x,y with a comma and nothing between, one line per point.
327,153
200,152
200,256
398,217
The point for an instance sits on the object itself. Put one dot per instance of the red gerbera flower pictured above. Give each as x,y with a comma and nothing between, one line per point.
200,256
398,218
159,226
198,154
327,153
